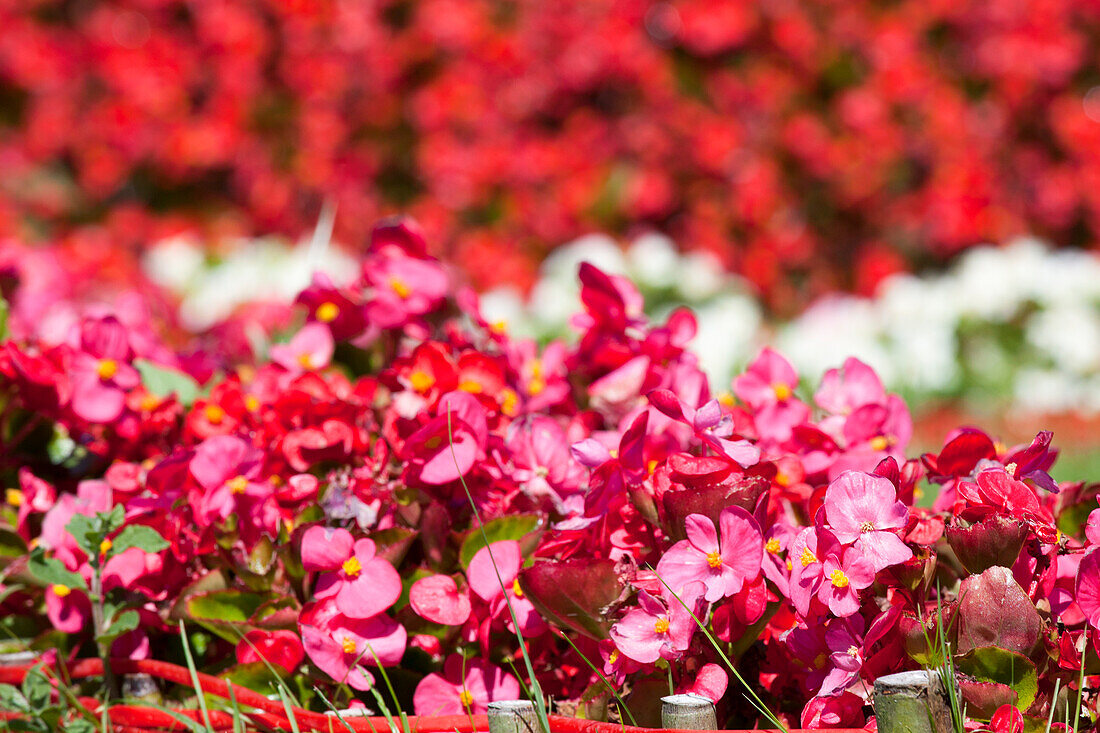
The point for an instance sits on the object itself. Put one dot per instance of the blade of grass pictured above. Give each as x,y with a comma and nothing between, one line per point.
540,699
289,708
194,675
238,726
336,713
604,679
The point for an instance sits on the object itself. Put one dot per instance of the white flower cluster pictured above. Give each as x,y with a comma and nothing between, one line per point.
1015,326
246,271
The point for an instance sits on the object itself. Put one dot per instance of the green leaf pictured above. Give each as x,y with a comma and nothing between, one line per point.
112,520
226,606
163,381
140,536
521,527
80,725
1005,667
125,621
5,311
52,571
36,689
12,699
256,676
11,544
87,533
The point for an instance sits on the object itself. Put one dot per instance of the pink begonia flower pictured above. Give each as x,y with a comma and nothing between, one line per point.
361,584
767,386
310,350
544,466
844,638
436,598
807,551
723,566
1007,719
1087,588
448,447
101,371
710,425
403,288
466,687
652,631
499,587
342,646
229,470
834,711
68,609
844,576
853,385
863,508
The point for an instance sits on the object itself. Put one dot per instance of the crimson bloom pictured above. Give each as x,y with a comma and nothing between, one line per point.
342,646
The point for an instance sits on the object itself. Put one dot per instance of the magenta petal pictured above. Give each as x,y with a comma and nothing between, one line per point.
494,568
635,637
1088,588
701,533
436,696
681,565
376,588
96,401
454,459
436,598
883,549
325,548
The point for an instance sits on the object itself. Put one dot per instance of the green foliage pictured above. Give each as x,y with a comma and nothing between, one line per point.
163,382
520,527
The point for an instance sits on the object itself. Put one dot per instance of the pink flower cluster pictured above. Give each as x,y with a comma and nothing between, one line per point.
906,132
399,485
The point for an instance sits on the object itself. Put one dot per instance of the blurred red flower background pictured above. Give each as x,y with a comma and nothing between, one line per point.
795,139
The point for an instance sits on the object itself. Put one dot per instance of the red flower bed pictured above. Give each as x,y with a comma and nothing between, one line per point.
812,135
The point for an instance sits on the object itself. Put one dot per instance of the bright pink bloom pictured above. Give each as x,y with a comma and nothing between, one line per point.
342,646
228,468
494,568
863,508
844,576
436,598
768,386
724,566
310,350
465,687
101,371
362,584
853,385
403,288
652,631
1087,589
710,682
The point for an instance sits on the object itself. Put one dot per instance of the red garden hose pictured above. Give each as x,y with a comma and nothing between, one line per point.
138,719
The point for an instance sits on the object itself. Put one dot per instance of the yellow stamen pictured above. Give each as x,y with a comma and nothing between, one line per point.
433,442
237,484
466,698
469,385
352,566
499,326
789,565
782,391
214,414
1010,469
327,312
614,656
107,368
807,557
105,547
866,527
251,403
880,442
773,546
614,452
535,386
782,479
421,381
838,578
400,288
853,651
149,403
306,361
651,466
714,559
819,661
516,590
14,497
726,399
348,645
509,401
661,626
61,590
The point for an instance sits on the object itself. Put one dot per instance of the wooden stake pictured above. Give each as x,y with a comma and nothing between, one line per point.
513,716
912,702
688,712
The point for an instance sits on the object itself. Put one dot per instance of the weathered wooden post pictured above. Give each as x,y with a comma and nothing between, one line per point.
513,716
912,702
688,712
